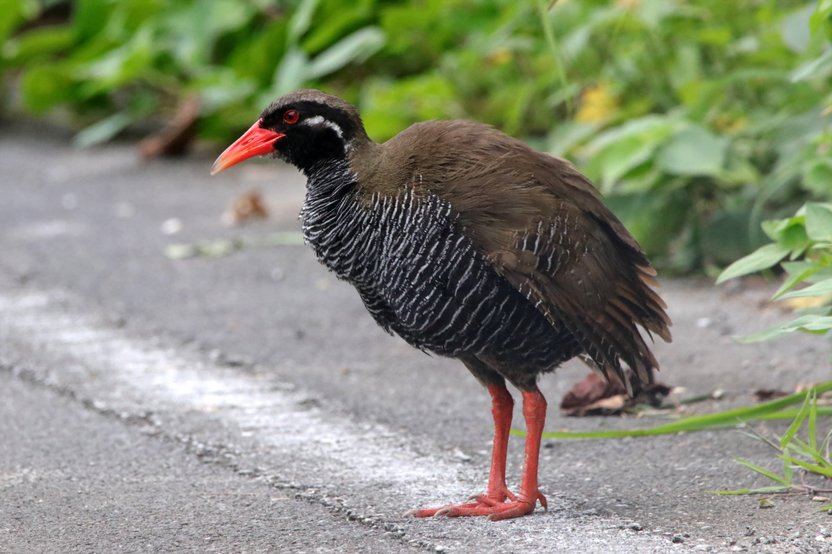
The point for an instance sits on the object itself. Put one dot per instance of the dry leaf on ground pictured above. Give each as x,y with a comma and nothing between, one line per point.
763,395
593,395
246,207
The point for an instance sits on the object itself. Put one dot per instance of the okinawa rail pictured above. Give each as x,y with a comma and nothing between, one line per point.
468,243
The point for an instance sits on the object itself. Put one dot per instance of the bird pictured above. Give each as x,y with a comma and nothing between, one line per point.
469,244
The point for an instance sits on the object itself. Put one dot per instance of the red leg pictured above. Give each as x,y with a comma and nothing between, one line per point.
502,406
534,412
493,503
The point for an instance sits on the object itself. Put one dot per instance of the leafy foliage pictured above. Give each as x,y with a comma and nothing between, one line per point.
697,120
802,246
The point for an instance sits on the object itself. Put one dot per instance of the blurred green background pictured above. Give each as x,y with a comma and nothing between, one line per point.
697,120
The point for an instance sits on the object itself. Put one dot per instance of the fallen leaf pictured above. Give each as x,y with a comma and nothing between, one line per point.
765,503
593,395
246,207
762,395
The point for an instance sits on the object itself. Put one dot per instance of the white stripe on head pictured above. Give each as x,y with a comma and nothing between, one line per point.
320,120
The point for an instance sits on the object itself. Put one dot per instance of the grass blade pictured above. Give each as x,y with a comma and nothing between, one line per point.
795,425
812,428
760,490
727,418
822,411
814,468
812,453
763,471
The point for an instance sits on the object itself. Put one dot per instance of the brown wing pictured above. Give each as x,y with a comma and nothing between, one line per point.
546,230
571,266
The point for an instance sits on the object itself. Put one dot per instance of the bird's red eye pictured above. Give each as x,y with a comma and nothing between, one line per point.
291,116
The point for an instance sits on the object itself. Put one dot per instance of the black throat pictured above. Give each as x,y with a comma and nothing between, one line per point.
332,214
311,152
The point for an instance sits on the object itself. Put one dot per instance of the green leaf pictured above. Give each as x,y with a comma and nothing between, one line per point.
789,233
44,87
812,323
815,68
694,151
356,47
38,42
819,222
794,28
89,17
622,157
762,258
121,65
301,20
821,17
13,14
820,288
328,30
290,74
103,130
798,272
566,136
817,175
618,151
389,106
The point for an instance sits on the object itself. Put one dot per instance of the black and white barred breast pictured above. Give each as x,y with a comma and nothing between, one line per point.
420,276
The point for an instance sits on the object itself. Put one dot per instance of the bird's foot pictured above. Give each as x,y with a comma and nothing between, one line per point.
504,505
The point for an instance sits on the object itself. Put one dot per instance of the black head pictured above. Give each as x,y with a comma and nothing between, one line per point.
303,127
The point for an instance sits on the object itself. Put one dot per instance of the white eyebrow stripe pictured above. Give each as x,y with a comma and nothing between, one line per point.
320,120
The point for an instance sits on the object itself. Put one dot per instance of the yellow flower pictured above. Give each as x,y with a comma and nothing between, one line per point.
597,104
729,123
500,56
